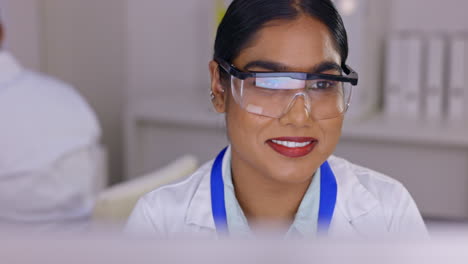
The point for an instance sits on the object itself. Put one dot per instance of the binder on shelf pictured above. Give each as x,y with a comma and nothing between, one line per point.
411,76
392,90
435,71
457,84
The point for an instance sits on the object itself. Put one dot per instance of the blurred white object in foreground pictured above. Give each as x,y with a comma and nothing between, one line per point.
450,248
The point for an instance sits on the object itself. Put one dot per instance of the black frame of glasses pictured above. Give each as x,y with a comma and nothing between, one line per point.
351,77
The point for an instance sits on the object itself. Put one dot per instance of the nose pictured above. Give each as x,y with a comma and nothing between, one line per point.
298,113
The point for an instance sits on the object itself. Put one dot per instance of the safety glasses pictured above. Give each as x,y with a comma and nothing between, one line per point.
272,94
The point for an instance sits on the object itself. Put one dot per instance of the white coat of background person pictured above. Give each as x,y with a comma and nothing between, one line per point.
49,142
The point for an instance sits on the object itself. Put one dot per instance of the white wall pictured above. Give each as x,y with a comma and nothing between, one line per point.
21,19
430,15
84,44
169,46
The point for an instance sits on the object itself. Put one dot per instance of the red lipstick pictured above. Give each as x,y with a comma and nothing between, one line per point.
292,147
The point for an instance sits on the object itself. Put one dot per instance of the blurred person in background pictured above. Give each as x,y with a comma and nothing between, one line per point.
48,143
279,75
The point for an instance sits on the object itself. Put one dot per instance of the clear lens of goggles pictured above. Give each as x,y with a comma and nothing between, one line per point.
273,97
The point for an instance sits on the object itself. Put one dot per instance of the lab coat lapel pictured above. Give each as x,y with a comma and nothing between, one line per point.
199,212
356,209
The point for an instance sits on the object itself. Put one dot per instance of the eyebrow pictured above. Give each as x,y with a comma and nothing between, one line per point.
280,67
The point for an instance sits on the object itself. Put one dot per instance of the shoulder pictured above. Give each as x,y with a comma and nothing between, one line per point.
34,82
42,79
164,210
178,193
53,91
56,104
378,184
368,194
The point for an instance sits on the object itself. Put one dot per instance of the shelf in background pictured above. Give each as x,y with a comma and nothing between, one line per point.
197,112
399,130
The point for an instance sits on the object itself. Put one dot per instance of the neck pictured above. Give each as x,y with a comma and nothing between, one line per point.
264,199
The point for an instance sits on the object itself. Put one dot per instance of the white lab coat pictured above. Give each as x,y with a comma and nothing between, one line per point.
48,142
368,204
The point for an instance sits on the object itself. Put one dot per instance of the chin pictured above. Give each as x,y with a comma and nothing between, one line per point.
292,177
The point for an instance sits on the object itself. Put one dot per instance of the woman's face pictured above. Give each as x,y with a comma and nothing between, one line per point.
301,45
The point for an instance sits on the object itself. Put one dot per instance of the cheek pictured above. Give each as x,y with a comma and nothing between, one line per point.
241,126
331,133
246,131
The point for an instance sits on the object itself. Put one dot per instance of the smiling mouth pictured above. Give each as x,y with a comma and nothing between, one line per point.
293,147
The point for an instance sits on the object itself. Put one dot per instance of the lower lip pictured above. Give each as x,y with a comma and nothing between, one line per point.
292,152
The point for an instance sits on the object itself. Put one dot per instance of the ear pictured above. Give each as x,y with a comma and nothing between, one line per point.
217,90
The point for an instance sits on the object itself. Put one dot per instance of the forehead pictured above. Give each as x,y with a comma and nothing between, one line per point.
301,43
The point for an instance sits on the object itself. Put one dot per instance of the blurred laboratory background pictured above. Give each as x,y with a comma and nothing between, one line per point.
142,65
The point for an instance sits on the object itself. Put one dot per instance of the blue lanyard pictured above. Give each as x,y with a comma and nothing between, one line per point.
328,193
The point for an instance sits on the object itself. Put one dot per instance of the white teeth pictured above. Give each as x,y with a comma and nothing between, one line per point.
291,144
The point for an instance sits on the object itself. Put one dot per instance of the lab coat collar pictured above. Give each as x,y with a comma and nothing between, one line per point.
9,67
353,200
199,211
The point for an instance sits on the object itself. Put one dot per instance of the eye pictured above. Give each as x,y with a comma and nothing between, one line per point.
322,85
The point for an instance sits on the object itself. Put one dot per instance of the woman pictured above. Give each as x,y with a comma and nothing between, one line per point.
279,74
